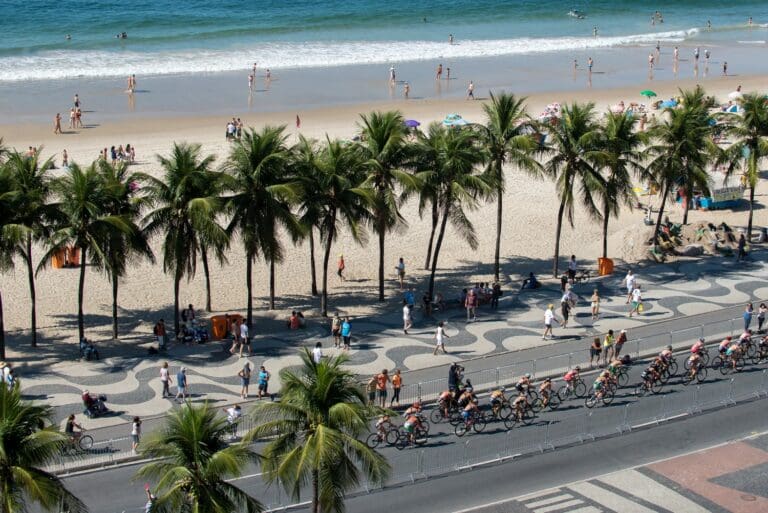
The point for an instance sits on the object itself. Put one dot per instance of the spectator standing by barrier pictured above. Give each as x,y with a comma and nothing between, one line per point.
748,311
397,383
263,381
549,318
620,341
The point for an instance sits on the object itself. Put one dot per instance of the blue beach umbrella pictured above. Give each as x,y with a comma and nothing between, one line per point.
411,123
668,103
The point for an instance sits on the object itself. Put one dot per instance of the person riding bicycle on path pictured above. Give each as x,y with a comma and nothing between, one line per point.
666,355
497,399
614,368
545,391
523,384
599,385
414,409
470,409
572,377
519,404
698,346
411,423
724,344
746,337
693,364
69,429
381,426
445,402
734,353
466,397
649,376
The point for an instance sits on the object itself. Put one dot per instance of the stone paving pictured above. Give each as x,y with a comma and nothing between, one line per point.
132,383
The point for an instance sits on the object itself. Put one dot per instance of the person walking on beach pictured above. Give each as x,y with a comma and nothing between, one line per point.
57,123
725,68
471,90
346,333
407,320
595,303
72,118
76,101
406,90
400,267
439,74
696,56
440,337
245,380
637,300
450,39
549,318
650,61
392,74
590,63
264,376
676,54
447,73
135,433
341,266
181,385
594,31
630,280
165,379
64,159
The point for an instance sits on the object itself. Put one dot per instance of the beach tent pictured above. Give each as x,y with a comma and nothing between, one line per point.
454,120
668,104
733,108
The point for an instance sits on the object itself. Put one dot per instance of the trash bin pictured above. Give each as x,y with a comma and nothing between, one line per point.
604,266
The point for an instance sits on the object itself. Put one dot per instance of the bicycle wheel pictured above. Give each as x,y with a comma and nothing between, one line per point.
687,378
528,417
554,401
505,411
373,440
704,354
436,415
641,390
564,393
580,388
402,441
717,363
455,418
537,405
479,424
687,364
85,442
425,425
656,387
421,437
701,374
533,396
510,422
725,367
750,350
590,401
623,378
740,364
392,436
461,429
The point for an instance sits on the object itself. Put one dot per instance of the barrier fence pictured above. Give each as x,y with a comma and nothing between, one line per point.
109,452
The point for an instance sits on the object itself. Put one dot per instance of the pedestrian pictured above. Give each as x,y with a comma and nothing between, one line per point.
741,252
471,90
595,304
245,380
440,337
135,433
336,330
298,121
563,282
341,266
149,507
346,333
400,267
608,342
725,68
495,295
637,301
566,305
450,39
64,159
263,381
407,322
748,311
381,387
165,379
397,383
57,123
439,72
630,280
189,315
159,331
470,303
181,385
590,63
234,413
234,334
549,318
594,352
406,90
371,389
250,82
572,269
761,317
317,353
447,73
619,344
245,341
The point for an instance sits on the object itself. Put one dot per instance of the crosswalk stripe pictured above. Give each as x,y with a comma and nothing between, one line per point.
608,499
586,509
559,506
652,491
548,500
536,495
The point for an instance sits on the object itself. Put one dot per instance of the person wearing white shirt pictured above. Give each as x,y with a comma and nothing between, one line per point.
637,300
630,280
549,318
440,337
407,322
317,352
572,268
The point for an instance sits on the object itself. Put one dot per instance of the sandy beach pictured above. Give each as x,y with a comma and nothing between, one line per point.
146,294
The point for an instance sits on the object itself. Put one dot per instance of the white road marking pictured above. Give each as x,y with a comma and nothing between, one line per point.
562,505
652,491
548,500
608,499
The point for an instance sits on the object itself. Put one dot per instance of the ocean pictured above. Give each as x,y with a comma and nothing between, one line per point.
200,36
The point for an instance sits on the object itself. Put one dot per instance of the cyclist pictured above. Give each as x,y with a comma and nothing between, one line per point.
520,404
545,391
666,355
693,364
599,385
697,347
734,353
381,426
69,429
414,409
466,397
470,410
572,377
411,423
723,347
445,402
746,337
497,400
524,383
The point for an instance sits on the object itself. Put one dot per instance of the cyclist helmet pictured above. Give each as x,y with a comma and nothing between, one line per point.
528,375
577,368
474,400
547,379
417,404
669,347
728,337
503,389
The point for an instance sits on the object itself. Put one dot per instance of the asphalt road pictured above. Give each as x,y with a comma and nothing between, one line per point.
567,426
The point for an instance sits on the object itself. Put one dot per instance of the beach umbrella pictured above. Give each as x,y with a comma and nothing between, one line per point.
454,120
668,103
647,93
733,108
411,123
735,95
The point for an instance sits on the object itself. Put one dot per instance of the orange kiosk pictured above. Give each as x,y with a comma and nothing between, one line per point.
221,325
68,256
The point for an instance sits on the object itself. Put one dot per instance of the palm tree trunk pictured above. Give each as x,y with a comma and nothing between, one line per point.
560,213
176,284
315,491
326,259
271,283
2,330
249,286
499,212
206,271
32,293
685,206
382,233
661,213
81,295
751,210
435,219
114,305
436,254
606,218
312,270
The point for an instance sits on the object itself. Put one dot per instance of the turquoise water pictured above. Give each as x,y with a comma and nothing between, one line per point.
194,36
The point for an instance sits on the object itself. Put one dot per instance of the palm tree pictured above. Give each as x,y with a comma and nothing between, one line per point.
680,151
506,137
7,195
617,152
32,213
331,194
455,155
85,224
121,248
193,463
187,201
385,151
261,186
25,447
750,131
318,421
570,143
